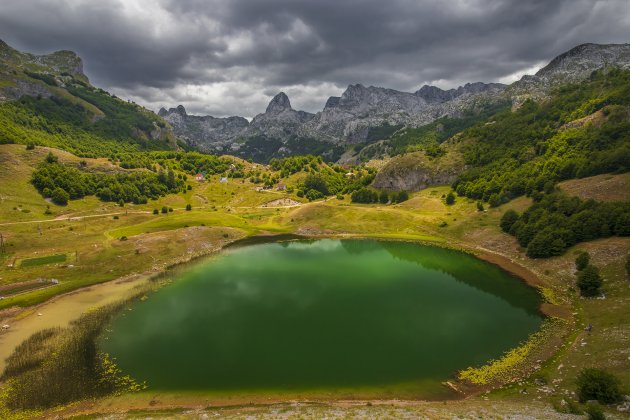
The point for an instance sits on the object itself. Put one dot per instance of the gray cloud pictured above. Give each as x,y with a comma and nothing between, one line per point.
228,57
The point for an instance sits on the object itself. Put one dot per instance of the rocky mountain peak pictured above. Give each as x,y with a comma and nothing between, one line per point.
181,110
332,102
278,104
580,61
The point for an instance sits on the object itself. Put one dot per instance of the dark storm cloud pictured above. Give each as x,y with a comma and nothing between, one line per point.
229,56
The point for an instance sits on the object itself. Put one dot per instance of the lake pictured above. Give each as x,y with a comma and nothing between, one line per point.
330,317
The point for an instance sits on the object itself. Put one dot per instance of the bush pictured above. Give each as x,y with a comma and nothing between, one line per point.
545,244
164,209
156,211
365,196
628,265
400,197
597,384
594,412
313,195
60,196
509,218
316,182
383,197
170,209
450,198
582,260
589,281
30,146
188,207
480,206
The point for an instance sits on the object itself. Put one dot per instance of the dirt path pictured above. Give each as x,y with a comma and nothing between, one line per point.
61,310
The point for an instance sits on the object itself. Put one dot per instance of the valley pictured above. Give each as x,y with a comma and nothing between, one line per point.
106,208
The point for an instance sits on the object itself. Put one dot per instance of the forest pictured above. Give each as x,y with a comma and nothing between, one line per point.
583,130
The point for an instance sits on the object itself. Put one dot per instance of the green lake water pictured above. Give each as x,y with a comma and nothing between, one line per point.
358,316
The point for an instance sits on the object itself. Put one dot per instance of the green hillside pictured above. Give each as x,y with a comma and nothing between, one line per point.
48,101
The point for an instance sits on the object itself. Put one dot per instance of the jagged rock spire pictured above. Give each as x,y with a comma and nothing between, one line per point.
279,103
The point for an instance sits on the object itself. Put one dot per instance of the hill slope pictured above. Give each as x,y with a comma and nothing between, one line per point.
47,100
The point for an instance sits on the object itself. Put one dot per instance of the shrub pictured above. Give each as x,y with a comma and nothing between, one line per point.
480,206
188,207
164,209
509,218
313,195
582,260
594,412
170,209
115,217
364,195
60,196
628,265
189,187
589,281
401,196
383,197
155,211
597,384
30,146
450,198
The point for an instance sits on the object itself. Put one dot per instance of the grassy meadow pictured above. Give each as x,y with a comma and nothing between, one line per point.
102,241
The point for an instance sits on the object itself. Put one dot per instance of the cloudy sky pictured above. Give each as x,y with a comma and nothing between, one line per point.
229,57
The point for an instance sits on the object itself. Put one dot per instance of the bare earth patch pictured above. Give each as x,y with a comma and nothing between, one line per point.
605,187
282,202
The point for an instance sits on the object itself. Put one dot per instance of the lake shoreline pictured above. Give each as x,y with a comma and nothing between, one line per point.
466,391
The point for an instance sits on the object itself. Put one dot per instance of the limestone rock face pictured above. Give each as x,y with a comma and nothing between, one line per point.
573,66
205,133
279,121
17,69
415,171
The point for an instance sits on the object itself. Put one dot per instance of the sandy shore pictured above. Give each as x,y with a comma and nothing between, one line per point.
61,310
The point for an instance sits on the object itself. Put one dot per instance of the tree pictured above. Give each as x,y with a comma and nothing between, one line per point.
188,207
383,197
365,196
597,384
50,158
582,260
450,198
589,281
545,244
316,182
60,196
121,202
509,218
402,196
313,195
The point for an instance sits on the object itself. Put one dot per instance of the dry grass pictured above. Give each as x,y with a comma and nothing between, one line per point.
600,187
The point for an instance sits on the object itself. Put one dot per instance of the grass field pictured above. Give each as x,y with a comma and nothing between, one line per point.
139,242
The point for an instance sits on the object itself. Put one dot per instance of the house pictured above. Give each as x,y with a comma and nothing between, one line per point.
199,177
282,186
223,180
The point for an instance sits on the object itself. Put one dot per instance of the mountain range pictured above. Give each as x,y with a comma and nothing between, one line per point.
365,114
361,116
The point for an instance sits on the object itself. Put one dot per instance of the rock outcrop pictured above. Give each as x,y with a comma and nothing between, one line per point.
204,133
